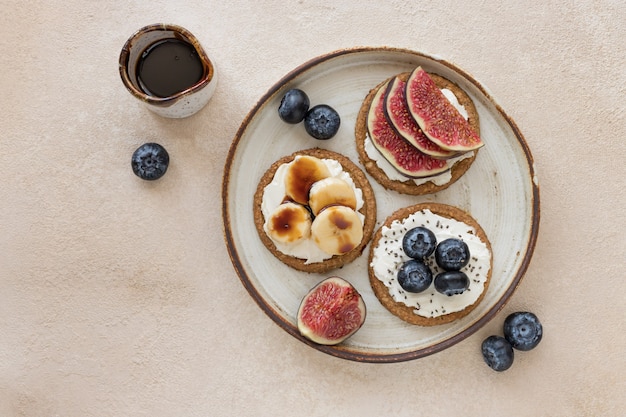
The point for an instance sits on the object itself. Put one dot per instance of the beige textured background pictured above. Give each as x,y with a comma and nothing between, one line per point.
117,297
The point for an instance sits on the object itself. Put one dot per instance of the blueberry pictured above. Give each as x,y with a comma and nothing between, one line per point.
451,282
419,243
497,353
523,330
150,161
322,122
452,254
293,106
414,276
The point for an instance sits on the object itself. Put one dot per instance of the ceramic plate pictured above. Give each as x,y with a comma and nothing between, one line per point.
499,190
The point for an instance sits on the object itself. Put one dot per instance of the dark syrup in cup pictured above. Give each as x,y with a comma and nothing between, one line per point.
165,67
168,67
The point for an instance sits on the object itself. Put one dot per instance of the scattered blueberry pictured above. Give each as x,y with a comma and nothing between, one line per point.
414,276
523,330
150,161
419,243
293,106
497,353
322,122
452,254
451,282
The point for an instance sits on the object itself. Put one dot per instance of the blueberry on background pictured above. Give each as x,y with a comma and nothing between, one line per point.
497,353
150,161
523,330
452,254
414,276
293,106
419,243
322,122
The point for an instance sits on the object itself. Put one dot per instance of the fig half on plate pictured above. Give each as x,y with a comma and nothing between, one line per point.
331,312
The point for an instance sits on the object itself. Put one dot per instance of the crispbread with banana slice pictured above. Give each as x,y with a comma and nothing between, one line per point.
338,214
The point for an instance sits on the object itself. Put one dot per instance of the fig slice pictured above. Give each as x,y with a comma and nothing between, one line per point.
331,312
404,157
398,114
440,121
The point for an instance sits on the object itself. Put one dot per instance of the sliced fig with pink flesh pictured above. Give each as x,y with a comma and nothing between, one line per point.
403,156
398,114
440,121
331,312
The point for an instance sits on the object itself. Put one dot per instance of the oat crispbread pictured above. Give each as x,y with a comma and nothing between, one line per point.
368,210
400,309
409,186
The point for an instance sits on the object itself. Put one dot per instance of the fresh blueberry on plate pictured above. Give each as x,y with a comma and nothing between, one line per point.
452,254
414,276
322,122
419,242
293,106
451,282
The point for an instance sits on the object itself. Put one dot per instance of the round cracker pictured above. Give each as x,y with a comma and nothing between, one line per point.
368,210
400,309
408,186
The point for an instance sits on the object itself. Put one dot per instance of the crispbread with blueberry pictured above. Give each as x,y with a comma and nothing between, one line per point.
430,306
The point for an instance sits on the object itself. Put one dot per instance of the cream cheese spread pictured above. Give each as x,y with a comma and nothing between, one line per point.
395,175
455,102
274,195
388,257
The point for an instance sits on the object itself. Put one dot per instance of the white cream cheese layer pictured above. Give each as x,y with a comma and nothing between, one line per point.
274,195
388,257
455,102
394,175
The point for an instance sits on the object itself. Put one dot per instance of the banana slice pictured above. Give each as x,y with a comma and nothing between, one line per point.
337,230
289,223
329,192
302,173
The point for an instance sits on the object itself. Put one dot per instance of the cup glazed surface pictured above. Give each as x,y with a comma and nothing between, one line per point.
181,104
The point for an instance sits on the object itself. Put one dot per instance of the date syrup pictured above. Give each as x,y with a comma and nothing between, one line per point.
168,67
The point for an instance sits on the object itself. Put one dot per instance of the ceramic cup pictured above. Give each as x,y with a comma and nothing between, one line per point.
178,105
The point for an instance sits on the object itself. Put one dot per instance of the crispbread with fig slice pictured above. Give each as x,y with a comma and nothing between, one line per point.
408,186
368,210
